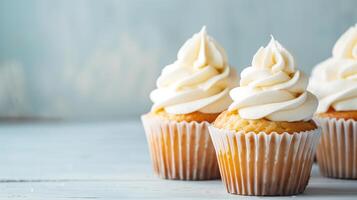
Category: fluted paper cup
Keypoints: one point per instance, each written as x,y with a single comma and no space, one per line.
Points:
264,164
180,150
337,151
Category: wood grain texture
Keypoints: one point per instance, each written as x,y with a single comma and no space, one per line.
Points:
107,160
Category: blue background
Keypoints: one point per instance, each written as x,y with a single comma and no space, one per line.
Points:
100,59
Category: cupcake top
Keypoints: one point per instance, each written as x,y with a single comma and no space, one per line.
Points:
334,81
272,88
198,81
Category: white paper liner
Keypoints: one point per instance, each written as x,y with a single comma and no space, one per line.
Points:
180,150
264,164
337,151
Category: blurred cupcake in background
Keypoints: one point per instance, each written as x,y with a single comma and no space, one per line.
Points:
190,94
265,142
334,82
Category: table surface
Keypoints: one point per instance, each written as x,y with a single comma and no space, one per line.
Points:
107,160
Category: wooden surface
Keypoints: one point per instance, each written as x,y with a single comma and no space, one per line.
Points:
107,160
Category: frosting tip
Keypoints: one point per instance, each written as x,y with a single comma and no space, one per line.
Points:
272,37
204,29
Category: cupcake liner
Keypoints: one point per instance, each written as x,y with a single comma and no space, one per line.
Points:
337,151
264,164
180,150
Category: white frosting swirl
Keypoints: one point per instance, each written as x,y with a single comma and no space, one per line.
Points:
272,88
199,80
334,81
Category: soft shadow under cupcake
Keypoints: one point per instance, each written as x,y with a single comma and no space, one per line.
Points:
346,189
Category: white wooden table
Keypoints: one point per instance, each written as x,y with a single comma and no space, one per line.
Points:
107,160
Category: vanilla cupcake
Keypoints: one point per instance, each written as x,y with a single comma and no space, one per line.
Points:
334,82
265,142
190,94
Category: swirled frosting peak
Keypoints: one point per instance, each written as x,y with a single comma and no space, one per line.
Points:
272,88
346,46
334,81
199,80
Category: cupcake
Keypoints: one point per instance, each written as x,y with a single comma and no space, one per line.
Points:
190,94
334,82
265,142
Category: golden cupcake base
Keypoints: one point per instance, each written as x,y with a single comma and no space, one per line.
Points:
263,164
231,120
337,151
180,150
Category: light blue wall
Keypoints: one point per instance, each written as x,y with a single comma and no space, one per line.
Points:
97,59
